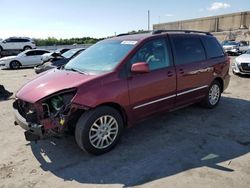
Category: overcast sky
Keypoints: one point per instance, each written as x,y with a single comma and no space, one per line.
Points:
100,18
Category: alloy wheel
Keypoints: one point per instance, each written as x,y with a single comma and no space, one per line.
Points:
103,132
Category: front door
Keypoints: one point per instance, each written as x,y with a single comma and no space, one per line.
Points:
154,91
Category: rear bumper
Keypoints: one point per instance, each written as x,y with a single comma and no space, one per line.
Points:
40,69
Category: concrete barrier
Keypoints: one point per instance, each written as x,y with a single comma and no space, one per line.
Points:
235,26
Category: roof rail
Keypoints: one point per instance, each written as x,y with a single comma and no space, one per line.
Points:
184,31
123,34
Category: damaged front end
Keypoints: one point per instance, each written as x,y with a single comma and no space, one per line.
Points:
47,117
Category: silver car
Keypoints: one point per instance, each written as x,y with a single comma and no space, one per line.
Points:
241,64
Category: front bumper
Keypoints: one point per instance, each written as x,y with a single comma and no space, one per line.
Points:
232,51
33,131
3,65
237,68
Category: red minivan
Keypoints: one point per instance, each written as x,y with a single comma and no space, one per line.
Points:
120,81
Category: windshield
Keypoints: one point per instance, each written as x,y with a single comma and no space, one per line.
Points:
21,54
101,57
229,43
70,53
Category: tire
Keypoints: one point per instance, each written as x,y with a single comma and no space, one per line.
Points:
90,125
15,65
213,96
26,48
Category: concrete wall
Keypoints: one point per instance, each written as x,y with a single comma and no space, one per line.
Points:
220,23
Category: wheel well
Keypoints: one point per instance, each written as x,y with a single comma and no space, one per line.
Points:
221,82
119,109
1,47
15,61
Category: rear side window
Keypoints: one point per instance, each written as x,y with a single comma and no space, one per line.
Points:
31,53
24,40
188,49
41,52
212,47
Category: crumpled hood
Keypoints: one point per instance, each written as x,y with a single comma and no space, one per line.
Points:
7,58
243,58
51,82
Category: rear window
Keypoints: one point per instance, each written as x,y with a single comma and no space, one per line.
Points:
213,48
188,49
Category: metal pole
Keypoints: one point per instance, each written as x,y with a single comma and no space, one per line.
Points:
148,20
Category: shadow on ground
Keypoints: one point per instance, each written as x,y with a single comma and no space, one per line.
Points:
157,148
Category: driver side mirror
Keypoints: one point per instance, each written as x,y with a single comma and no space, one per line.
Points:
4,41
140,67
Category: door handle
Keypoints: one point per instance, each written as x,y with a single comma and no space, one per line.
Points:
181,71
170,74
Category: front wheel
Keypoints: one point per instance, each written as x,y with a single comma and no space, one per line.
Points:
15,65
213,96
99,130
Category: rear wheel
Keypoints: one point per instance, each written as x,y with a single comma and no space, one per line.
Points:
213,96
99,130
15,65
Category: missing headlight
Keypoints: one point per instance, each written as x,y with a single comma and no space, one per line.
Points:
58,104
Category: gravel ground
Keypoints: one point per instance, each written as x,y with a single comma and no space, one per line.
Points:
191,147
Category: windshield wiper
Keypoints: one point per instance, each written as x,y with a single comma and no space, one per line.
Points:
76,70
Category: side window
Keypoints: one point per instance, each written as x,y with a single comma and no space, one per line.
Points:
9,40
212,47
31,53
19,40
155,53
15,40
188,50
41,52
24,40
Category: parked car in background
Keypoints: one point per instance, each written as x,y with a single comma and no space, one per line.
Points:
231,47
57,53
17,43
59,60
120,81
241,64
28,58
244,46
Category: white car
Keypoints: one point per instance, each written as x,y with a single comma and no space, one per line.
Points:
241,64
48,56
28,58
15,43
231,47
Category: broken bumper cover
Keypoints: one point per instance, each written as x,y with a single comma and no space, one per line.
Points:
33,132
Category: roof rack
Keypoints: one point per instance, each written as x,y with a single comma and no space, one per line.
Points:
123,34
184,31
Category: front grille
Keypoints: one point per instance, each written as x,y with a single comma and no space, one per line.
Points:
245,67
